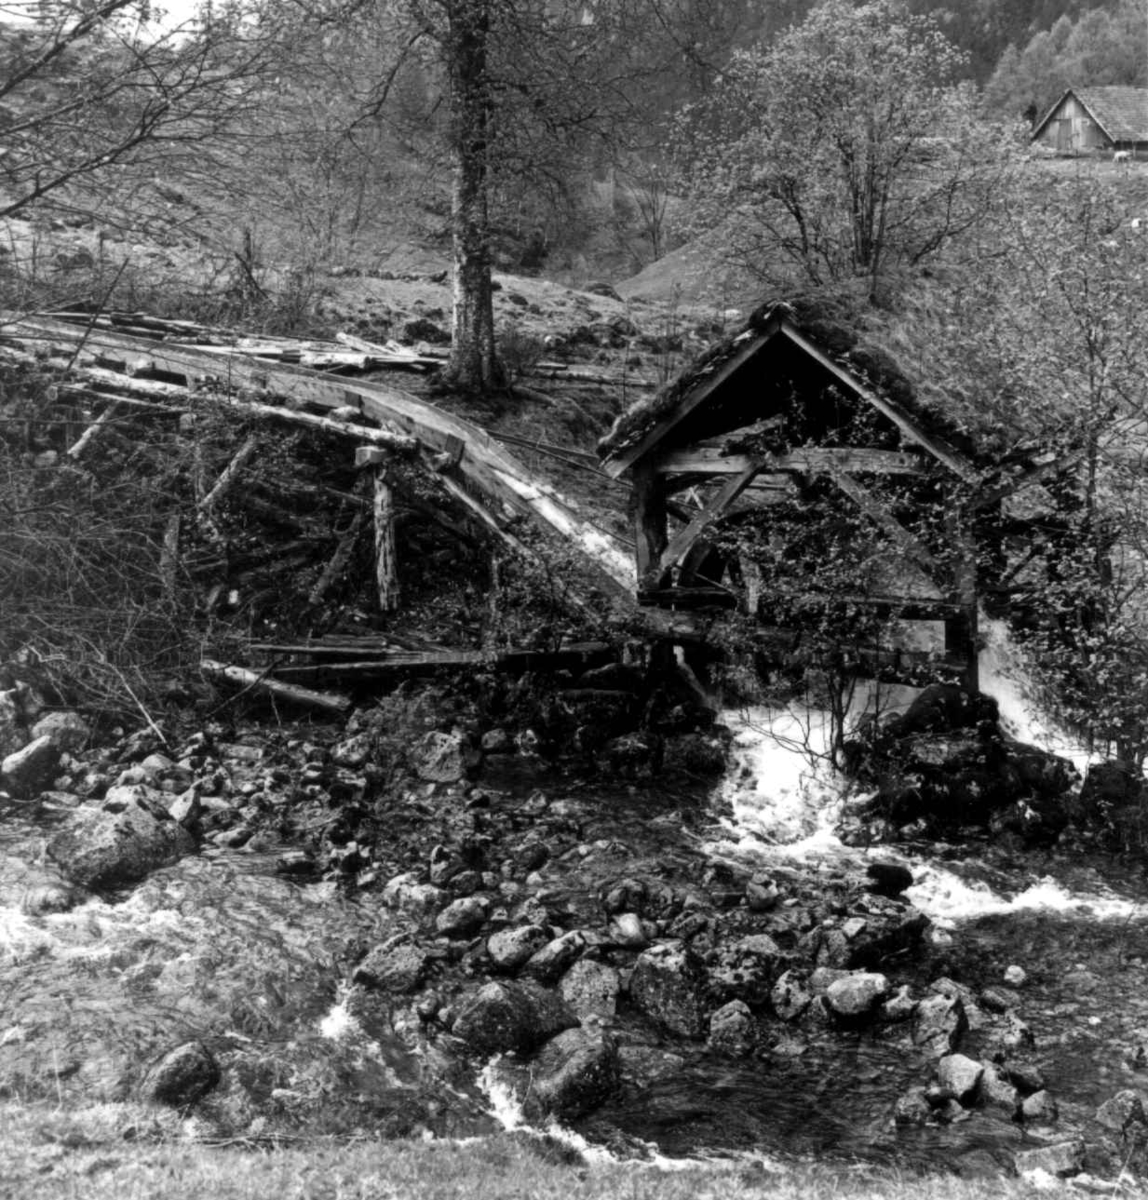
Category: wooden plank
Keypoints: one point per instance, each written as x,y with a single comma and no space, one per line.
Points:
955,461
485,464
685,538
880,515
701,391
713,461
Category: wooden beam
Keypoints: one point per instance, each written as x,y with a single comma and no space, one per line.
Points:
685,538
955,461
1050,464
712,461
338,561
751,342
880,515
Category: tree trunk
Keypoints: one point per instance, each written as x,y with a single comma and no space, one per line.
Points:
473,360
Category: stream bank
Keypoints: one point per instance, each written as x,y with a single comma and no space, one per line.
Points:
350,952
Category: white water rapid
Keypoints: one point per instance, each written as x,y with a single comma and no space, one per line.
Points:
783,798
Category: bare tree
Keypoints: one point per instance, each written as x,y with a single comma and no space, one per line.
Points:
94,98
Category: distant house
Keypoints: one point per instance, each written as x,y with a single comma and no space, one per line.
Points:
1096,120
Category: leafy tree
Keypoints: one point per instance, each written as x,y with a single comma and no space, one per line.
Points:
842,150
1103,46
1044,348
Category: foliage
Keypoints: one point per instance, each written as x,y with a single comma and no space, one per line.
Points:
804,564
90,614
1046,342
843,150
1104,45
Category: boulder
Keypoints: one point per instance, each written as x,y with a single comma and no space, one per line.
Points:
104,848
1123,1113
960,1076
591,989
574,1072
445,757
510,948
354,751
761,893
1039,1108
996,1091
913,1108
553,959
12,735
1112,783
695,754
407,894
31,768
940,1025
629,930
634,756
510,1016
68,730
900,1006
857,994
390,968
1060,1159
733,1030
790,996
464,917
184,1075
888,878
668,985
746,970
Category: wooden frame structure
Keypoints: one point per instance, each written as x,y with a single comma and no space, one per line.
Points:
774,414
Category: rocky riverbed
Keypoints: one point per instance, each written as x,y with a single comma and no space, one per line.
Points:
267,931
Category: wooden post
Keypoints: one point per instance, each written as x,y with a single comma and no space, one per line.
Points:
961,630
386,565
169,557
650,532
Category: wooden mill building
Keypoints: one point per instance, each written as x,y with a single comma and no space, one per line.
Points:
793,415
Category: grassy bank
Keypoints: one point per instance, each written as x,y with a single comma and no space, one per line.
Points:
105,1154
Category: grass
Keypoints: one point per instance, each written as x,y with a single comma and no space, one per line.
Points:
119,1153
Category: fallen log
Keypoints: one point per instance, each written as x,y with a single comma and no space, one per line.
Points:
228,476
92,432
400,660
263,684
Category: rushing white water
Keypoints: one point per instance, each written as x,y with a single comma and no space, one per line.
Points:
782,798
1003,676
506,1109
338,1022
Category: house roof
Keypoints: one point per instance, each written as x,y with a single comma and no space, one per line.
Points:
817,331
1121,112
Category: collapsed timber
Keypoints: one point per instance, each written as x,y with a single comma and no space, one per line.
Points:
279,489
